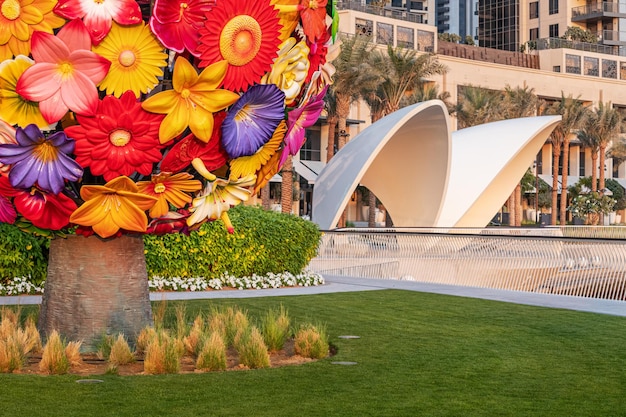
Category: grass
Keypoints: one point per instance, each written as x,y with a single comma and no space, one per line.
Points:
418,355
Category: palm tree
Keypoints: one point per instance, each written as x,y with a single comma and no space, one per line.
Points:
477,105
573,114
588,136
426,91
286,186
608,127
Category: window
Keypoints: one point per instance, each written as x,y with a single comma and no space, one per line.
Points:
384,33
310,151
609,68
554,31
534,10
572,64
364,27
591,66
533,34
581,162
425,41
553,6
556,68
622,70
405,37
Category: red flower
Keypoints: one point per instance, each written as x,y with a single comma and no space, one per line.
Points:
120,140
172,222
44,210
317,54
7,211
313,15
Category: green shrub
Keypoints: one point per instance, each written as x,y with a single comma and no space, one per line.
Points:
22,255
263,242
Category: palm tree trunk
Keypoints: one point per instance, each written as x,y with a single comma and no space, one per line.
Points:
594,172
343,110
511,206
565,173
265,197
518,205
556,150
286,188
371,217
332,133
602,181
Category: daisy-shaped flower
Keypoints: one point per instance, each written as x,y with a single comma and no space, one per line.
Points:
169,189
218,197
192,101
137,59
15,109
250,165
289,16
177,23
98,15
117,205
252,120
44,210
65,73
7,135
298,120
19,19
290,69
245,34
122,139
35,159
204,156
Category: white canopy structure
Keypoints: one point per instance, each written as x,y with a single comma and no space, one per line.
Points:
425,175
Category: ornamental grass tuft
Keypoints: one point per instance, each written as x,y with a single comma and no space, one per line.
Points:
16,342
252,350
121,353
311,342
193,341
54,360
163,354
212,356
275,326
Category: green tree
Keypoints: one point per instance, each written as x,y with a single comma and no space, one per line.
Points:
477,105
608,127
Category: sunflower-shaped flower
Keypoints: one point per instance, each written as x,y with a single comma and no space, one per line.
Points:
245,34
98,15
116,205
177,23
122,139
19,19
289,16
15,109
252,121
137,60
65,73
250,165
36,159
290,69
218,197
169,189
193,100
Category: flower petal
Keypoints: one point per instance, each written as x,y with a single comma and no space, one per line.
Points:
39,82
75,35
48,48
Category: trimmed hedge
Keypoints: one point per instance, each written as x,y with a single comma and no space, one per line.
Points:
264,242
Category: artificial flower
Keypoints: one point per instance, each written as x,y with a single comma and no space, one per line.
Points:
268,170
15,109
44,210
171,222
218,197
313,18
65,73
192,101
290,69
250,165
298,120
98,15
176,23
246,35
7,135
36,159
122,139
317,54
137,60
19,19
289,16
251,121
210,154
169,189
7,211
116,205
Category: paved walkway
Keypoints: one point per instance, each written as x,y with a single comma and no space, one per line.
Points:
336,283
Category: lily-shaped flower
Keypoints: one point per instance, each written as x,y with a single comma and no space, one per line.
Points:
298,120
312,15
250,165
172,222
217,198
176,23
268,170
99,14
253,119
192,102
65,73
36,159
15,109
169,189
114,206
290,69
7,136
44,210
19,19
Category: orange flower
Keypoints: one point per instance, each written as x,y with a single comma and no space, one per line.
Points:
169,189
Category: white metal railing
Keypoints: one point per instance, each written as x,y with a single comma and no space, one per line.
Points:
546,260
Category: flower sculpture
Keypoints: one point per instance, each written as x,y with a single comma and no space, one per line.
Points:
119,119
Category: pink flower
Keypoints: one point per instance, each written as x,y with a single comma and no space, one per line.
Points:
65,73
176,23
98,14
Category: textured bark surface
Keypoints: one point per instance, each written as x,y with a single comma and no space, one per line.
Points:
95,287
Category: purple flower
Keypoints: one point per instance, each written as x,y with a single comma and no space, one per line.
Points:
36,159
252,120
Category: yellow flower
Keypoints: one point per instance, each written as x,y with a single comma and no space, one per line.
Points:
15,109
288,16
137,59
169,189
290,68
19,19
192,102
113,206
249,165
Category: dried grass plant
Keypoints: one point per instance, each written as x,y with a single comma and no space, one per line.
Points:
16,342
194,340
121,354
163,354
146,336
275,325
54,360
212,356
252,350
72,352
311,342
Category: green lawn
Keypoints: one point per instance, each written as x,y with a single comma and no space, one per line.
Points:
418,355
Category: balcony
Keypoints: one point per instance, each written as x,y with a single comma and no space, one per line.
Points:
382,11
613,38
597,11
558,43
